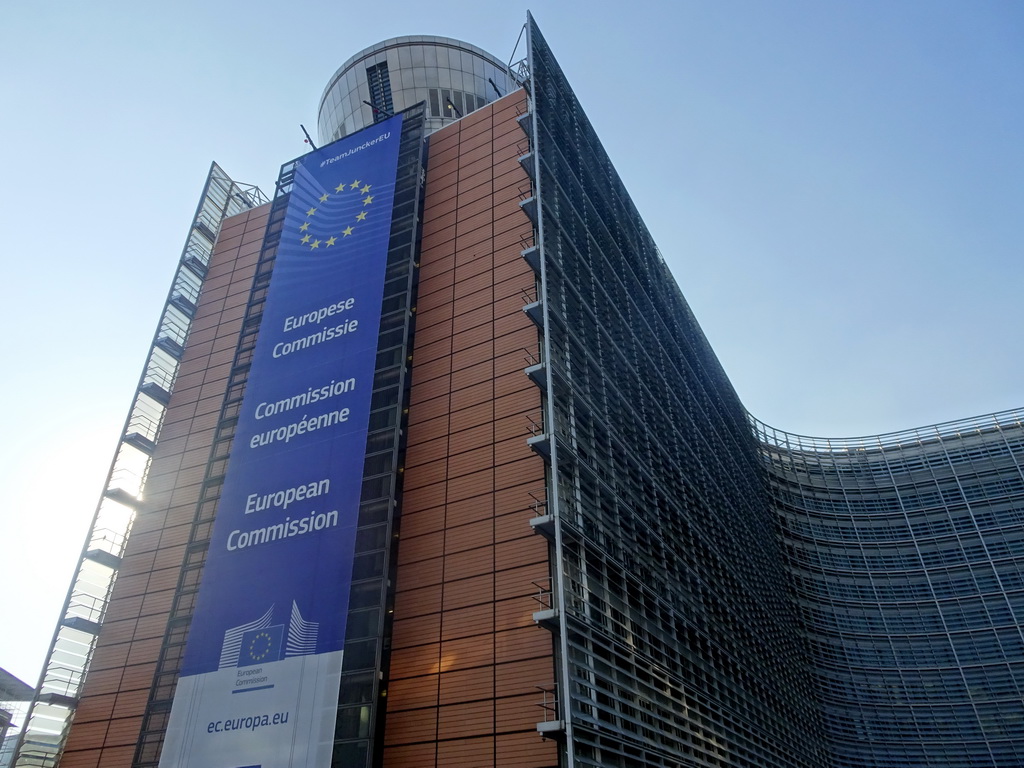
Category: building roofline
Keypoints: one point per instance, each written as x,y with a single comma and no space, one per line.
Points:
401,42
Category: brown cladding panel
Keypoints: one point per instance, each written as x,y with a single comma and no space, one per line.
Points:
417,630
459,721
468,622
425,521
89,737
413,692
114,757
467,685
515,613
412,756
123,731
478,561
80,758
464,753
95,709
468,658
524,750
416,661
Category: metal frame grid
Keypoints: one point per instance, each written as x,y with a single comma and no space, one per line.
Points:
678,641
907,554
74,640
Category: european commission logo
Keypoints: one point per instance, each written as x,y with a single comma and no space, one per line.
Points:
261,645
337,215
261,641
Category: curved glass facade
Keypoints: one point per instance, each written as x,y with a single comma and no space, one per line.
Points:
453,78
907,556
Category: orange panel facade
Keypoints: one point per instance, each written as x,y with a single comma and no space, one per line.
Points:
468,661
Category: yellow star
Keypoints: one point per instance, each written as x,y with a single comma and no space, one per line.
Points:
314,244
355,184
323,197
346,231
361,216
368,199
311,211
340,187
330,241
304,227
305,239
365,189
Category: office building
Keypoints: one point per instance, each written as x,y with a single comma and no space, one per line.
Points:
471,473
15,696
907,557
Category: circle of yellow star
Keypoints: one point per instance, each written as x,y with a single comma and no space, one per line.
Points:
368,199
268,644
361,216
330,241
365,189
305,239
340,187
346,231
311,211
314,244
323,197
304,227
355,184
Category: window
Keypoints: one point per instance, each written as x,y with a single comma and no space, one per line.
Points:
379,81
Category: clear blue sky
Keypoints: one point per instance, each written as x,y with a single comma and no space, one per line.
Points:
837,186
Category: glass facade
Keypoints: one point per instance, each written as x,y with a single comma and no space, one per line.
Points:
453,78
723,595
85,609
907,555
15,697
677,641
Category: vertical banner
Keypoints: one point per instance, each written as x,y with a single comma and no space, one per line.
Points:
262,668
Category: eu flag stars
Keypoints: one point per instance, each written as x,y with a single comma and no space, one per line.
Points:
325,236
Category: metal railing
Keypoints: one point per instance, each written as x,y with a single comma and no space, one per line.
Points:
53,707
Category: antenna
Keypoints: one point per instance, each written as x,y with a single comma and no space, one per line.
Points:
377,109
518,40
453,107
308,140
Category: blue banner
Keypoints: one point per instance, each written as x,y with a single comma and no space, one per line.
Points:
267,635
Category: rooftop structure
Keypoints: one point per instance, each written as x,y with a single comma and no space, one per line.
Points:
450,77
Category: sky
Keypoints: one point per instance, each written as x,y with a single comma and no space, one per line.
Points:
838,187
